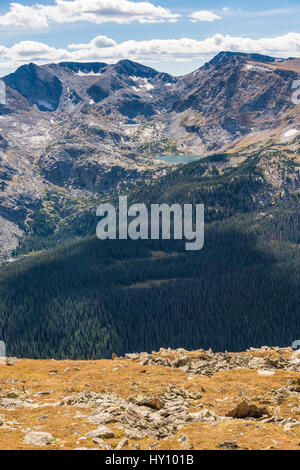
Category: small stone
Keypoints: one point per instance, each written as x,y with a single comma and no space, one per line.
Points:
230,445
152,402
183,361
39,439
257,363
135,446
204,415
133,435
101,432
43,418
289,426
11,395
101,443
123,442
182,438
245,410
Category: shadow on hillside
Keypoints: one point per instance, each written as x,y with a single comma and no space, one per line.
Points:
74,303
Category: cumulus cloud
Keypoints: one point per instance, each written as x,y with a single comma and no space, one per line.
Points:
106,49
187,48
96,43
204,15
93,11
33,50
20,15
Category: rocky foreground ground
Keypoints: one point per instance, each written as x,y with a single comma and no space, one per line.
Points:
171,399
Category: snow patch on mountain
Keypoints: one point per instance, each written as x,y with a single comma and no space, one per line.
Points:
291,133
256,67
88,74
142,83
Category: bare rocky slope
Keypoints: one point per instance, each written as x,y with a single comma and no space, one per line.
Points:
82,129
171,399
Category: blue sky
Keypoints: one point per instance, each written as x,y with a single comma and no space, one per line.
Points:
171,35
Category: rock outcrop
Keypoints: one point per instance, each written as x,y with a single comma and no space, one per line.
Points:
209,363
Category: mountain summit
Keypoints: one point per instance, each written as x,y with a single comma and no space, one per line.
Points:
87,127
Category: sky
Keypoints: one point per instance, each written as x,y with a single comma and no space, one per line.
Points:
174,36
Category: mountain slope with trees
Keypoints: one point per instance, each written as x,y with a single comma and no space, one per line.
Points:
91,298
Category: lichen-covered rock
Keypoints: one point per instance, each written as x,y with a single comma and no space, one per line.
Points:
39,439
101,432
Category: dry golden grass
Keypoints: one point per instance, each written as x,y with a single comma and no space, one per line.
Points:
221,392
292,65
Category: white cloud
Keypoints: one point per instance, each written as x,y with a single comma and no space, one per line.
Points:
240,13
186,48
20,15
204,15
33,50
103,48
93,11
98,43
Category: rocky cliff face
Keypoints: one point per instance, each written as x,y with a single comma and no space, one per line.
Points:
37,85
87,127
235,95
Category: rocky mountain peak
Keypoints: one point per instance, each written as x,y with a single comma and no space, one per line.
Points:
129,67
226,56
37,85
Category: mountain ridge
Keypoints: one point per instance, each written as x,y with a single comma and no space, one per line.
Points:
84,129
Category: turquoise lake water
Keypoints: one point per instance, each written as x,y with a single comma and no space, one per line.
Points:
179,158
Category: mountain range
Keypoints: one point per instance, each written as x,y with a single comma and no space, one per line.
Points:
73,135
86,128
